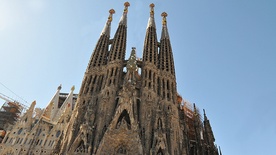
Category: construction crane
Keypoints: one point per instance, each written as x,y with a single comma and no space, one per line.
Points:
9,99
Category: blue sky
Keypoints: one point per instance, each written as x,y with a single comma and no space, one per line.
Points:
224,56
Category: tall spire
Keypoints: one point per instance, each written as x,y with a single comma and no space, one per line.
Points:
99,55
66,104
208,131
106,29
29,116
165,33
123,20
151,22
166,55
53,104
150,53
205,117
118,47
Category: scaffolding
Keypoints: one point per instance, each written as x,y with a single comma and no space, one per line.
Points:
193,119
10,112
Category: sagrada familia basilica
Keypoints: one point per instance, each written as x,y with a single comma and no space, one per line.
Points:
125,106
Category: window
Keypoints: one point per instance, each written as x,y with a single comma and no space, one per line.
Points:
58,133
20,130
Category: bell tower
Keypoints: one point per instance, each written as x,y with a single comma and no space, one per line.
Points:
120,111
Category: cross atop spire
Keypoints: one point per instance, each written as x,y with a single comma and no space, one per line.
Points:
106,29
123,20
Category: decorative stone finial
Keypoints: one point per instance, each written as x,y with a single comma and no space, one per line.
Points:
151,8
73,88
106,29
164,15
34,102
126,4
59,87
123,20
111,12
195,110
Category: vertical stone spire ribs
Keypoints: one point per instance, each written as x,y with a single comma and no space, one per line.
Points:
120,112
99,55
123,20
118,48
166,55
166,63
165,33
208,131
150,53
106,29
151,22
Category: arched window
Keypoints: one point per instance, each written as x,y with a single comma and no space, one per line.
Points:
159,123
39,132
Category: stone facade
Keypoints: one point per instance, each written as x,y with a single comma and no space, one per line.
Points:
125,106
132,106
39,131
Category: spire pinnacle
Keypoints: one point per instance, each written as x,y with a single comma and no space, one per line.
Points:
131,67
33,105
205,117
106,29
151,22
151,9
165,33
131,63
123,20
195,110
126,4
59,87
164,21
220,151
73,88
111,12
